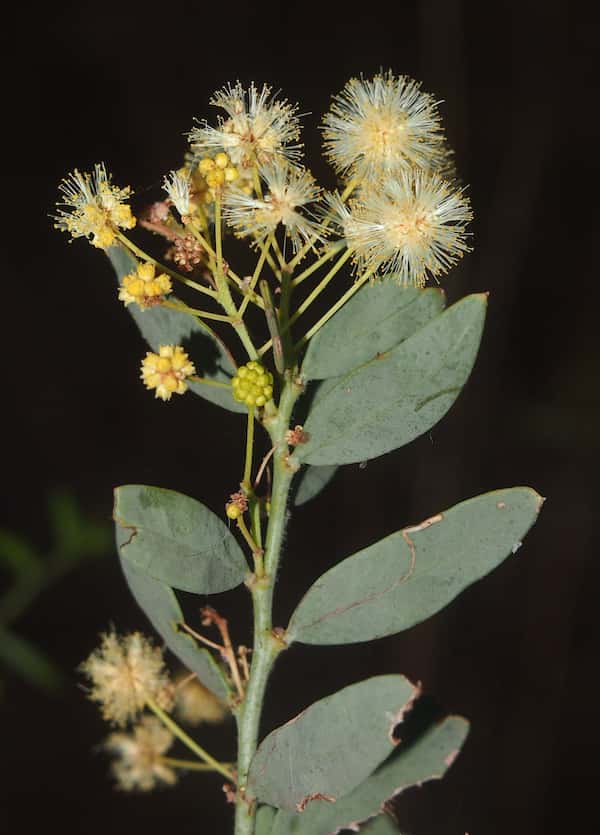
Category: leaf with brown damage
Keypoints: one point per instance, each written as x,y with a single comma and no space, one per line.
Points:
413,573
176,540
332,746
428,758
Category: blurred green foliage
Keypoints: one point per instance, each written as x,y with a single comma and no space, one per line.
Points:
75,539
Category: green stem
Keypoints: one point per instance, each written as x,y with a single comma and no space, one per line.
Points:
207,382
311,297
340,303
188,741
223,292
257,271
246,482
331,251
173,273
266,646
190,765
302,252
197,314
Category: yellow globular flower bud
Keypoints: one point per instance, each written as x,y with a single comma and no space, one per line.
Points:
231,174
233,511
144,287
215,178
205,165
167,371
252,385
222,160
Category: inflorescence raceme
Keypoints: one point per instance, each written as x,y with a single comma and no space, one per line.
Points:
398,215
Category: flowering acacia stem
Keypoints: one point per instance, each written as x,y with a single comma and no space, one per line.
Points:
188,741
266,646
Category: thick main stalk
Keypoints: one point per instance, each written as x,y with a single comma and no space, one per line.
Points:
266,645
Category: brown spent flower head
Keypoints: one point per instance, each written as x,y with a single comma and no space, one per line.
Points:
139,756
186,252
124,672
195,704
237,505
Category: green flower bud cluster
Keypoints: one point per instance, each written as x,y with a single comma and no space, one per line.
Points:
252,385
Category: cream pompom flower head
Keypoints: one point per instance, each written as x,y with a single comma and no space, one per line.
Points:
93,208
382,126
139,763
288,188
125,672
411,228
258,128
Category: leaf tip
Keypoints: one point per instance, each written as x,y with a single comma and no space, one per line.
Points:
398,717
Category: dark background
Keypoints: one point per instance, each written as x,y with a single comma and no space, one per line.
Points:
516,653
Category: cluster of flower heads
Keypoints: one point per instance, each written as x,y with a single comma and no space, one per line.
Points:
404,217
125,673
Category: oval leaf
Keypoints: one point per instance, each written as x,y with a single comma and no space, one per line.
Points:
392,399
428,758
176,540
162,326
376,319
413,573
315,754
311,481
162,610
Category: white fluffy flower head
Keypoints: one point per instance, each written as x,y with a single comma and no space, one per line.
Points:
139,754
258,129
379,127
177,186
124,672
412,228
288,188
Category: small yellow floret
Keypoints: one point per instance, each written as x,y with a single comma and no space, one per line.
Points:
233,511
252,385
167,371
144,287
221,160
205,165
215,178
